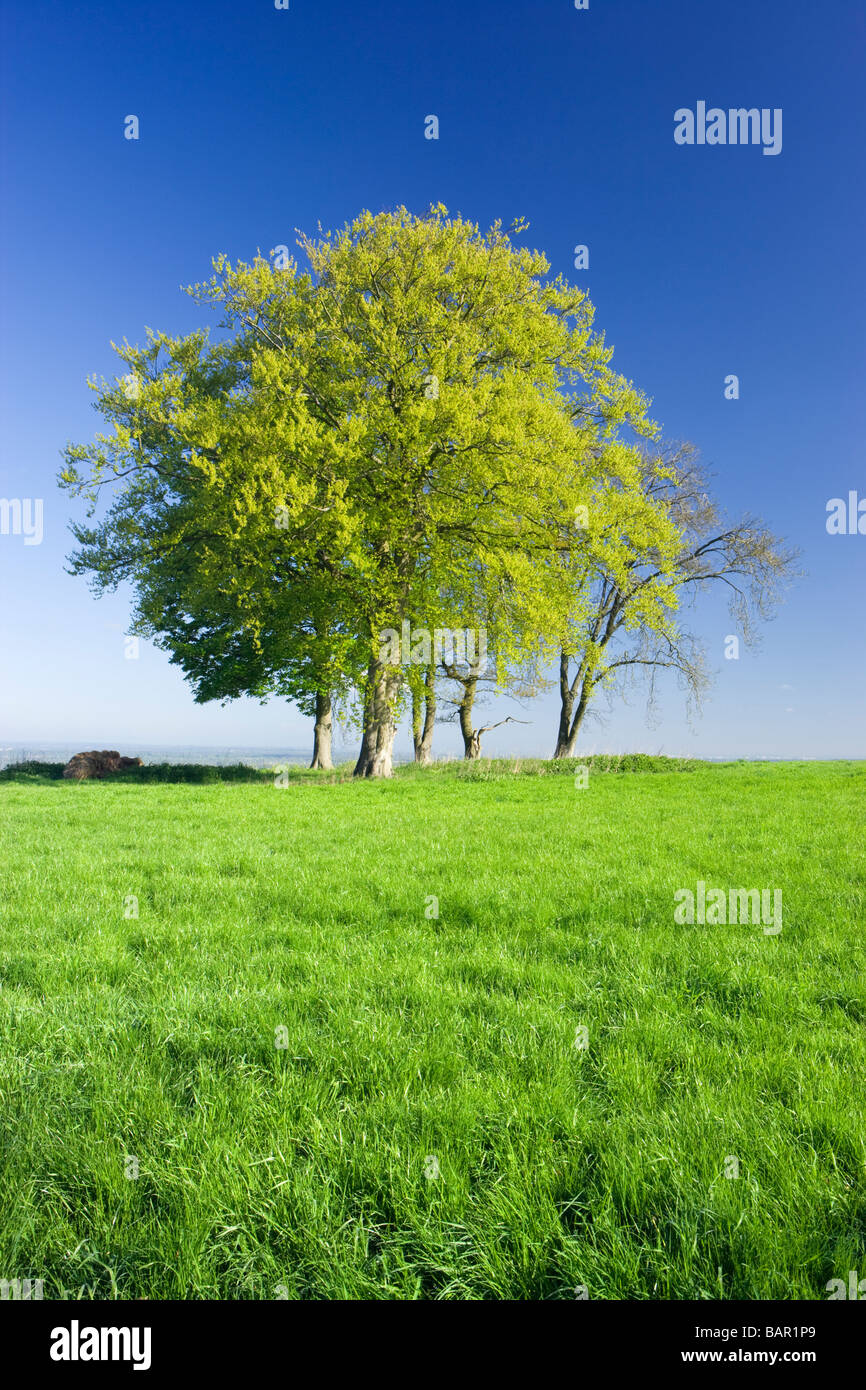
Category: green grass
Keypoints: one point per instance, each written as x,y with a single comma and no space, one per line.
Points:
301,1171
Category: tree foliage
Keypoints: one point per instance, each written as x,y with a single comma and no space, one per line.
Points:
419,425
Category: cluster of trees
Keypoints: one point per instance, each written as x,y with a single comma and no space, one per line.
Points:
420,427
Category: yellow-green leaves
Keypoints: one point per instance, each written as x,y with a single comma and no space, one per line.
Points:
421,426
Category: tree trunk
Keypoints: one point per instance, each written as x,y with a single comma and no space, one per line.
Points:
422,736
377,743
323,732
582,706
564,741
570,719
471,739
566,745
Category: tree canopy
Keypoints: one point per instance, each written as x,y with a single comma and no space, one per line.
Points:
417,426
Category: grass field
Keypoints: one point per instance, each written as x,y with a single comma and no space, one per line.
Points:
427,1124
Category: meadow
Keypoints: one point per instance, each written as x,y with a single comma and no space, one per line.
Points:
436,1038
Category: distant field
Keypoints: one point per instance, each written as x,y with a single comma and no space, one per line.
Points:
428,1124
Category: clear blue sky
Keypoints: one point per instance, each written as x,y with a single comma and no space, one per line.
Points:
704,261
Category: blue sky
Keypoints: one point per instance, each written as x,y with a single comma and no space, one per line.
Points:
703,261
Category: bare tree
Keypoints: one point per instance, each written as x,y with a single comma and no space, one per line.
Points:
617,638
466,679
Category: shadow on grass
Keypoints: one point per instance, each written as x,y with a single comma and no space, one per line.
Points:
36,772
480,770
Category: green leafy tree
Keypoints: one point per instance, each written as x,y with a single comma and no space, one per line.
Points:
220,575
422,409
